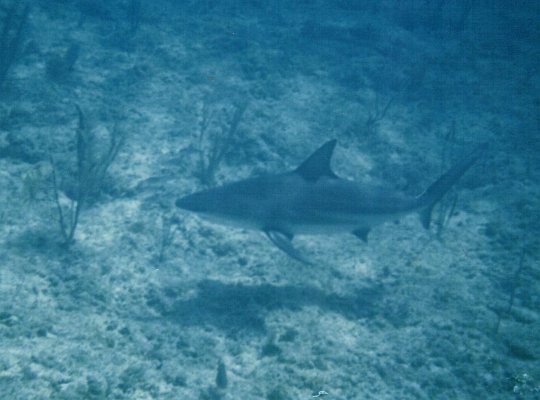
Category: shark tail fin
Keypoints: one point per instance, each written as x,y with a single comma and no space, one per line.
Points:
441,186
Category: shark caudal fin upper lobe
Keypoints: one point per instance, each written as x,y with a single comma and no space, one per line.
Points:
442,185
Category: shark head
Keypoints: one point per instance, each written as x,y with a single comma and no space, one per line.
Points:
233,204
199,202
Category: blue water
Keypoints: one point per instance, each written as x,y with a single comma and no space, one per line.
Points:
110,111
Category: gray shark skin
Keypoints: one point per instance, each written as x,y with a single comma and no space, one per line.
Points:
313,200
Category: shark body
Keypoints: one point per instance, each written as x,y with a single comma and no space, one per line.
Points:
312,199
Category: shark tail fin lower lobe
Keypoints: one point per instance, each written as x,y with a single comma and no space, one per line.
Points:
442,185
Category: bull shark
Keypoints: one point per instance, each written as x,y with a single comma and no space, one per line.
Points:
312,199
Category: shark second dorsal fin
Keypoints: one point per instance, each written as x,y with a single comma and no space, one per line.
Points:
318,164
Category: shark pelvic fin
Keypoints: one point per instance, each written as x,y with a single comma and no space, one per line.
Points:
318,163
283,242
361,233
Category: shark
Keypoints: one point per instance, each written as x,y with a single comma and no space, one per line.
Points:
312,199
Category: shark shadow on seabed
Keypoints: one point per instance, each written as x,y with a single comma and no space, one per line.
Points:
240,308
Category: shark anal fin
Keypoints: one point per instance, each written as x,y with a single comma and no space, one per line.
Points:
361,233
318,164
283,242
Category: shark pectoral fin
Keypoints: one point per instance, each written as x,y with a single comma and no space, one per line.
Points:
361,233
283,241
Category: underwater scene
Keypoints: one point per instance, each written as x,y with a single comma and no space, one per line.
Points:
274,200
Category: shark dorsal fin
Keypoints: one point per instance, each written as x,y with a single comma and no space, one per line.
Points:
318,164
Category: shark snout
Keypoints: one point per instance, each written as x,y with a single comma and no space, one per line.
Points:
200,202
190,203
